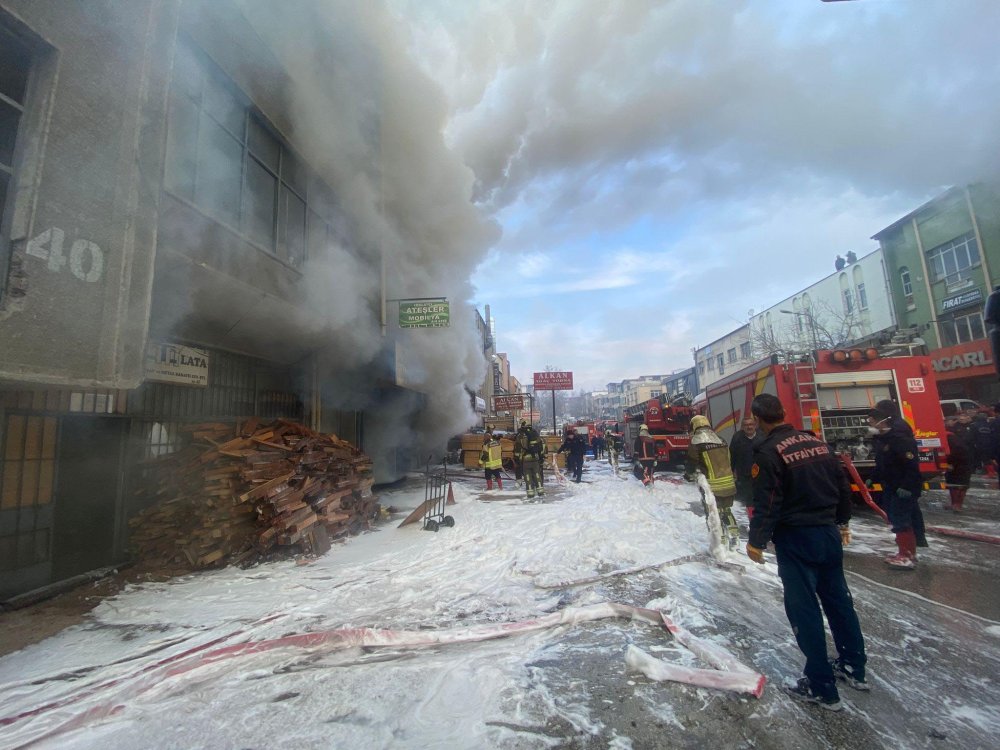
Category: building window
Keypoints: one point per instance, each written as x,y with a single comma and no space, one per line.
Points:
962,328
745,350
862,297
731,355
722,364
848,301
223,157
907,284
711,364
15,65
701,368
952,261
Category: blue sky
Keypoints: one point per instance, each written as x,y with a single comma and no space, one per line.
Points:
660,168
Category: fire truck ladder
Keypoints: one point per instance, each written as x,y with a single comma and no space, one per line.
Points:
804,382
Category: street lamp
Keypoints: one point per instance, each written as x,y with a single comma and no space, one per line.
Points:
812,324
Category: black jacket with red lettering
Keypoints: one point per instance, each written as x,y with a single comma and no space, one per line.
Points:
797,481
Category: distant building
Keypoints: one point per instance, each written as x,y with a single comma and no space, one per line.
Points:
681,383
725,355
847,306
943,260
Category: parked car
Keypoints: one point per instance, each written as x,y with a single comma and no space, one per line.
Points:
952,407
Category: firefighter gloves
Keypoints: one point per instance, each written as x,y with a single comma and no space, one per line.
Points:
755,554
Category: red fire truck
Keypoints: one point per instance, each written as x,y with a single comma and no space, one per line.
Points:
669,424
830,393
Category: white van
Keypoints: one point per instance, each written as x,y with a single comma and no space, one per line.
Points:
951,407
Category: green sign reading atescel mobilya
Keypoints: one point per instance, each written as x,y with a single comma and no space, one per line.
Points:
424,313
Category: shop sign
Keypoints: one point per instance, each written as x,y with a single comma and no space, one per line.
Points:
424,314
172,363
553,381
964,299
508,403
964,361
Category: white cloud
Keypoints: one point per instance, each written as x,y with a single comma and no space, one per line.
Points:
664,166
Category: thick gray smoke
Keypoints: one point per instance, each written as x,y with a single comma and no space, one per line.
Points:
376,123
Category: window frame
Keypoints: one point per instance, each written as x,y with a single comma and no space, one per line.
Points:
938,257
970,322
289,243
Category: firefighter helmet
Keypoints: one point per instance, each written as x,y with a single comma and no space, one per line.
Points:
698,421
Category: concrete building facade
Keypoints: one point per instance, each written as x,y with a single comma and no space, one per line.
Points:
726,354
849,305
172,247
943,260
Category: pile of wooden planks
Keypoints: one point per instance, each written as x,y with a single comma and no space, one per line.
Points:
237,492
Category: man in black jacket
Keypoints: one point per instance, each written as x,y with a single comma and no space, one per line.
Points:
575,446
897,469
801,496
741,459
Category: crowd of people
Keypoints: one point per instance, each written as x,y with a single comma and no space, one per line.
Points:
974,443
798,495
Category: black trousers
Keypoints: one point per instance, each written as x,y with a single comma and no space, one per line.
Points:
811,567
574,465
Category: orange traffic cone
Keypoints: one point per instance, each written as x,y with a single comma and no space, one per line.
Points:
451,496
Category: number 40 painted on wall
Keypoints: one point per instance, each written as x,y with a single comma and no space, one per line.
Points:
86,259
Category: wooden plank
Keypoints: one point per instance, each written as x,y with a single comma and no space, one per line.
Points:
263,489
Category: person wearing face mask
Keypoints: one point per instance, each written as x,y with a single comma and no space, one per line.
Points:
741,459
897,469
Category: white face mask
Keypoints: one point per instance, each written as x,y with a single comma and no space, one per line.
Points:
876,428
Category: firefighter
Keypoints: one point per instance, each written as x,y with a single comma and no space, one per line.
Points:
575,446
897,469
614,448
530,447
518,464
802,500
960,462
644,455
491,459
709,454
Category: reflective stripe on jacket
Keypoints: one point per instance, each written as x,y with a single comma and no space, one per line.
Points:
710,455
491,456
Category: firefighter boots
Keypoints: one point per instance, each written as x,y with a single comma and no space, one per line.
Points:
906,558
499,483
489,485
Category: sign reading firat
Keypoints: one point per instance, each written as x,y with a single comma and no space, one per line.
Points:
508,403
424,313
553,381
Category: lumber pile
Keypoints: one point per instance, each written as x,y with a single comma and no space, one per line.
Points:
237,493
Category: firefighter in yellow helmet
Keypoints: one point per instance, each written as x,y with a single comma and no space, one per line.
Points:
709,454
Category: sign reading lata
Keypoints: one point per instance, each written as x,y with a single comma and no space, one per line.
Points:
553,381
508,403
172,363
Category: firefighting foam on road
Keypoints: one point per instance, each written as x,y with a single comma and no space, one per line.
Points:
244,658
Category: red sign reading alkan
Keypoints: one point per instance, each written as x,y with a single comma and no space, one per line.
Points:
508,403
553,381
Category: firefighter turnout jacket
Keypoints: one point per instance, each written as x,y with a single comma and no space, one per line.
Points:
491,456
710,454
529,445
797,481
897,462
